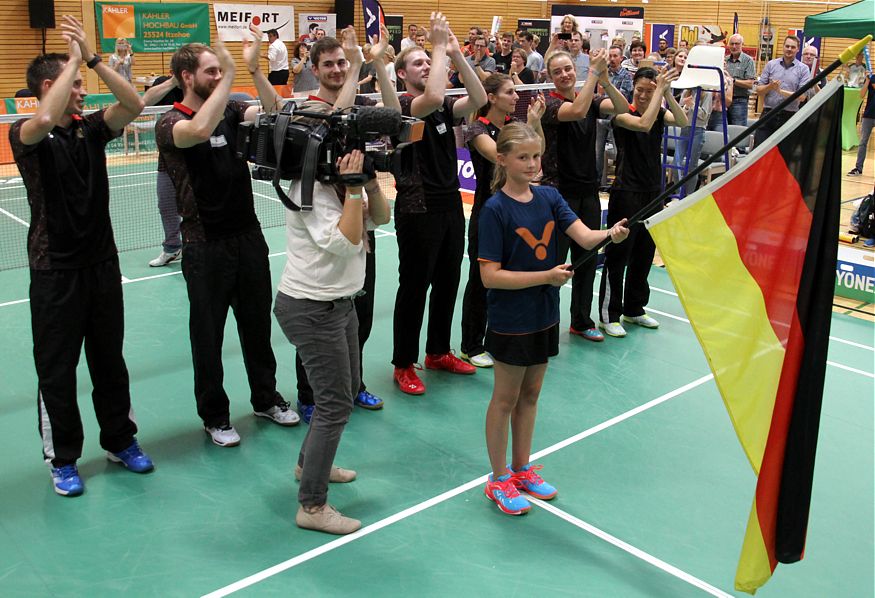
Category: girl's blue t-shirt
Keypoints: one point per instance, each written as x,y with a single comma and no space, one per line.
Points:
522,238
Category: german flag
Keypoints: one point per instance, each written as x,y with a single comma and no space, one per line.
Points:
752,256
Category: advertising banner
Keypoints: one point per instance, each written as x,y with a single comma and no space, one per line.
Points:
152,27
539,27
374,17
654,32
232,20
308,22
395,25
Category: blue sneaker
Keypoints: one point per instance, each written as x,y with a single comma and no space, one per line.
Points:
366,400
503,493
66,480
133,458
306,411
527,480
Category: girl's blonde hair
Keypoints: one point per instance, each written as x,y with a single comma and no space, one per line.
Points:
512,134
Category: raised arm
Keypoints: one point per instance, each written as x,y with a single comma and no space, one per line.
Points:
436,86
676,114
270,99
476,97
55,99
535,111
353,54
387,89
155,93
129,104
188,133
581,104
616,102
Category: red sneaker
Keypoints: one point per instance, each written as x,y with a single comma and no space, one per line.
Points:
450,363
408,381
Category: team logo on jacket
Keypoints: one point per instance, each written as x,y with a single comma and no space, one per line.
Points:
538,245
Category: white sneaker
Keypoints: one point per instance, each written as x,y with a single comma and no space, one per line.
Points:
224,435
165,258
613,329
282,414
481,360
645,321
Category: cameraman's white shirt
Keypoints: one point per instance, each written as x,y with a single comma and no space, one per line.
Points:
321,263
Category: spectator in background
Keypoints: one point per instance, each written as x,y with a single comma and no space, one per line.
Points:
568,25
620,42
504,53
164,92
683,45
302,68
857,74
481,62
410,40
123,59
320,33
868,123
622,80
780,79
741,68
420,39
669,57
277,58
662,48
579,50
637,52
519,72
534,60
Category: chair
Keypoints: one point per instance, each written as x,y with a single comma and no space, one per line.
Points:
712,143
706,78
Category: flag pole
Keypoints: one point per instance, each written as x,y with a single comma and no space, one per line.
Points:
651,208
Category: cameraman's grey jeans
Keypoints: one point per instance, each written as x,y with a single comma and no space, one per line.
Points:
325,334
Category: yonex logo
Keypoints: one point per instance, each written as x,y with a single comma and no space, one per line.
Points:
539,245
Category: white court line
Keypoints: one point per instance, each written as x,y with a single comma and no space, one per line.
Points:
14,217
851,343
850,369
112,176
636,552
369,529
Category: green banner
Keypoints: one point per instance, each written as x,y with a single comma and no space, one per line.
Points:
151,27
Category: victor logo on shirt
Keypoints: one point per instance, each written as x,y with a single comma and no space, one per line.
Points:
539,245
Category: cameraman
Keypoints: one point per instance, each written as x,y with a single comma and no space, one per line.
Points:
225,261
429,220
332,68
316,304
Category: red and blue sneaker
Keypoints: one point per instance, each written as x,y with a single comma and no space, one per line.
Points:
503,493
527,480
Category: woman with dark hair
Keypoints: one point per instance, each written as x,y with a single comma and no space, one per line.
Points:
480,138
302,69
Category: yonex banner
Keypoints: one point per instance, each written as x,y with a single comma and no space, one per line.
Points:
232,20
152,27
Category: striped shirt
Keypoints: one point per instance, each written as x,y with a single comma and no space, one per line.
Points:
792,77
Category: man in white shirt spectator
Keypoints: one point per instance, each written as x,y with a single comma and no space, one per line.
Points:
278,59
410,40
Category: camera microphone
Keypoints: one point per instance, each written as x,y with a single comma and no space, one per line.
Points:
384,121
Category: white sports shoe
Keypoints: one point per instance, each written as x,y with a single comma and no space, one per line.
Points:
645,321
282,414
481,360
165,258
613,329
224,435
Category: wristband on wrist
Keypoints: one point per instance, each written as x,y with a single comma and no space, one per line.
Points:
94,60
353,195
